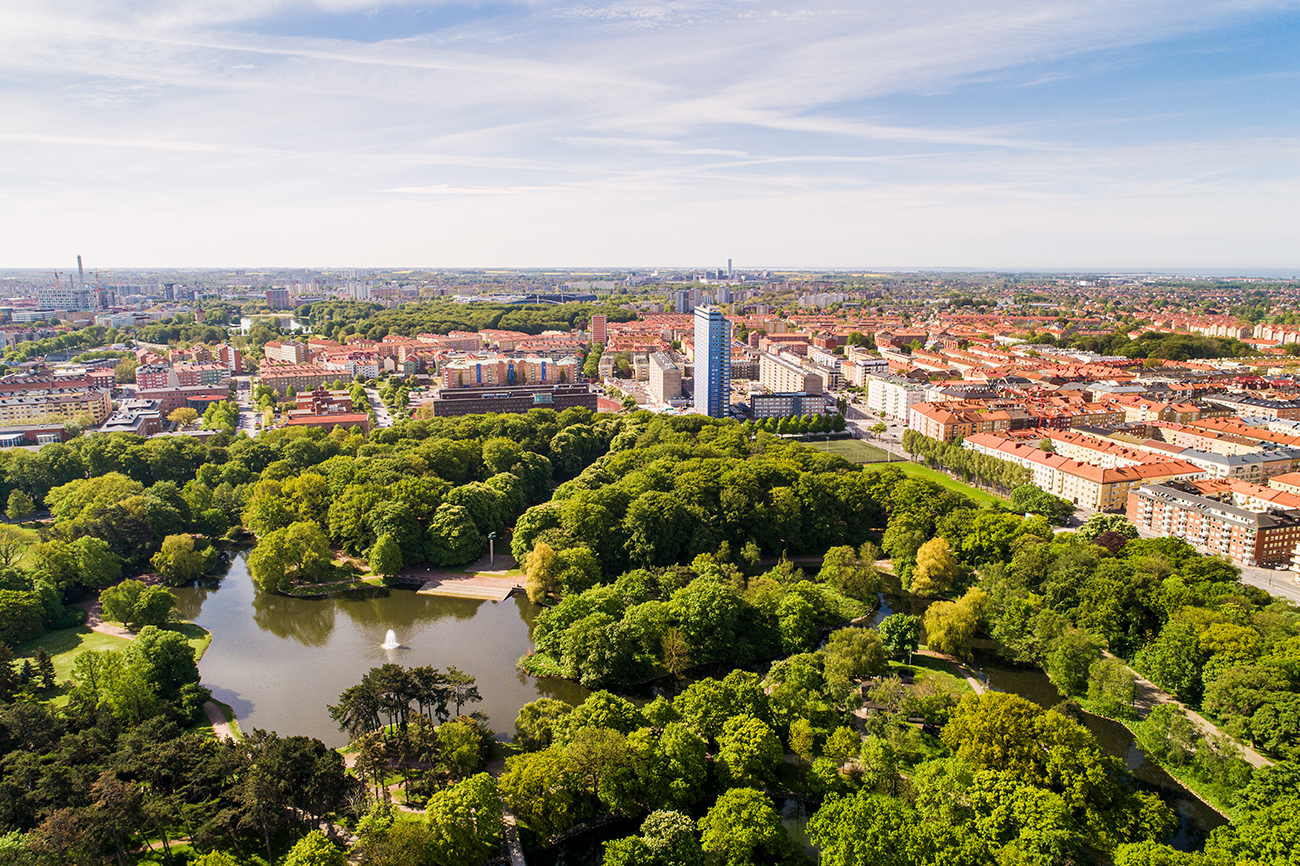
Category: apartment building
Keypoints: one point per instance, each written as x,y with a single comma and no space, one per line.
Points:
893,396
1259,407
1093,487
201,374
288,352
782,375
482,369
1288,482
300,377
1244,536
34,406
763,406
665,379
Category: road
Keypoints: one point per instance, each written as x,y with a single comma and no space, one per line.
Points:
247,413
381,412
1281,583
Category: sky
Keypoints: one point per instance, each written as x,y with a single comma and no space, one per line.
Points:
1005,134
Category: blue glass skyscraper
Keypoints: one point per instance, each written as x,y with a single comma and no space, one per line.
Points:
712,362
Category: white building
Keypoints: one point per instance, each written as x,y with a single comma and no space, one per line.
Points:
893,396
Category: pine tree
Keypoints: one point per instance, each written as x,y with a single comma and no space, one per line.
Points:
26,673
45,667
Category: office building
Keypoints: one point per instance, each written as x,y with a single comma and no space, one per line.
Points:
61,297
278,299
450,402
712,363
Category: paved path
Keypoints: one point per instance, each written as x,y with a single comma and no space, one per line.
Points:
220,726
95,622
512,838
95,619
1150,696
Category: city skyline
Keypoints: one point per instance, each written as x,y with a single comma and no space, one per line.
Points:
1106,137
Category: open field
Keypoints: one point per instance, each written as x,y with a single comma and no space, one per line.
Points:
983,497
853,450
65,644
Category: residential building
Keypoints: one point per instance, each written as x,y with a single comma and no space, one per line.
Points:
300,377
712,362
1093,487
783,374
785,405
41,406
1244,536
665,379
893,396
288,352
598,328
278,299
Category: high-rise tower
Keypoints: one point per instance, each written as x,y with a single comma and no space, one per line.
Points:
712,362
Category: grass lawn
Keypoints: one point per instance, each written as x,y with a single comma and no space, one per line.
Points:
983,497
852,450
28,536
64,645
943,674
314,589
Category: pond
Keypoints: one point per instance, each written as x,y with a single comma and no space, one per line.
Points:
280,661
1195,818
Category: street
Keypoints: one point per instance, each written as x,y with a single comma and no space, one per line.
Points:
1281,583
247,412
382,417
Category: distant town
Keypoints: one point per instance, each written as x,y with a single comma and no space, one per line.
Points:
1172,400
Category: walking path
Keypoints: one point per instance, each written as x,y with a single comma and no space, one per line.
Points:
1150,696
488,579
512,838
220,726
95,622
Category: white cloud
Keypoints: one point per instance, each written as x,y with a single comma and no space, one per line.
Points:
610,132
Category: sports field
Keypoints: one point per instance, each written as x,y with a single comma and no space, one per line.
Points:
852,450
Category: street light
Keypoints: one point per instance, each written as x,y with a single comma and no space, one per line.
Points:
492,548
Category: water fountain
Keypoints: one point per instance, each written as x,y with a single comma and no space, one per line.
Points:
390,641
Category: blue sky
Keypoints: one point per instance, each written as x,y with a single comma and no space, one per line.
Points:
1009,135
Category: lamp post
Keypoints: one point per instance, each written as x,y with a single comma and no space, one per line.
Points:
492,548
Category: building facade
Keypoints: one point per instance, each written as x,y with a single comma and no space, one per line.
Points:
893,396
1217,528
665,378
712,363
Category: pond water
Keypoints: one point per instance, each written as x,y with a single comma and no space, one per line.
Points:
280,661
1195,818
